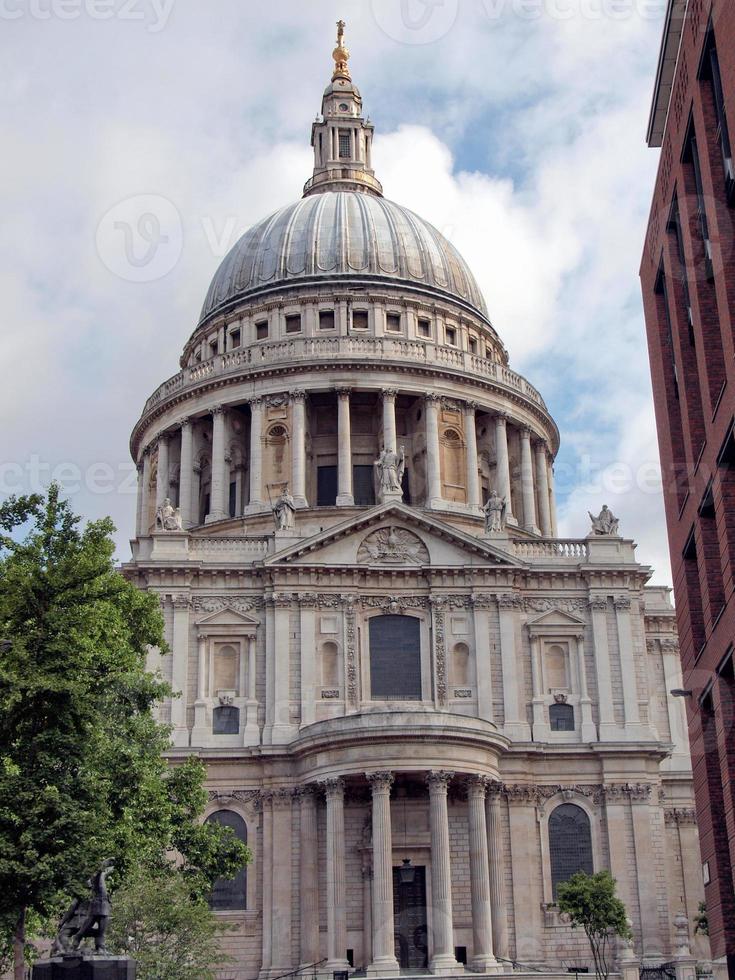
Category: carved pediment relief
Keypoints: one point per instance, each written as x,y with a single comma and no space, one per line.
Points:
227,616
556,622
393,546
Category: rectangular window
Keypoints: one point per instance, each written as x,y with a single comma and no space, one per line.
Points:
713,588
293,323
261,330
326,486
326,319
233,500
359,319
393,322
692,157
451,336
711,72
234,340
424,328
693,594
212,347
345,148
473,345
363,485
395,658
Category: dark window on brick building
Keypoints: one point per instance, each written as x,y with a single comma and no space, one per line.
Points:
726,473
570,843
691,156
710,71
712,589
694,593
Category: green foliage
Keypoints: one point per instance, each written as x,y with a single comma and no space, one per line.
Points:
589,901
701,922
82,772
171,934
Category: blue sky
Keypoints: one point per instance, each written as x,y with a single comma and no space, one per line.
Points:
516,126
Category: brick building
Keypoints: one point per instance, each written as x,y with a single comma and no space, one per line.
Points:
688,279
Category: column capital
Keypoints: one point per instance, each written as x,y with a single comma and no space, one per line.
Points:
501,418
217,410
432,397
255,402
334,788
597,602
525,432
343,391
621,602
477,786
438,780
380,782
305,794
184,422
298,396
470,408
389,392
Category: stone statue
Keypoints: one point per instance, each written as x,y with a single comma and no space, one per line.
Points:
86,918
284,510
390,467
168,517
605,522
495,510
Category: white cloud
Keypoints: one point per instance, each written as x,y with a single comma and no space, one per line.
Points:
213,114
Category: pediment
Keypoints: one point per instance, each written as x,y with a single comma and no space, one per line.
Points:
556,620
227,617
393,536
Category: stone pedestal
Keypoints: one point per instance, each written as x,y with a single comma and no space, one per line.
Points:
77,966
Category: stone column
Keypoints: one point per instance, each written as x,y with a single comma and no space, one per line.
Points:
608,728
180,670
186,474
483,959
433,462
529,498
345,496
281,957
389,419
442,924
256,453
267,858
220,468
515,725
309,874
497,871
633,724
336,911
200,730
538,706
139,531
162,473
146,502
298,448
542,482
384,962
473,477
588,730
502,465
552,497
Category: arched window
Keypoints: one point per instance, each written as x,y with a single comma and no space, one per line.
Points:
330,664
395,658
228,895
557,675
570,843
226,661
561,717
226,720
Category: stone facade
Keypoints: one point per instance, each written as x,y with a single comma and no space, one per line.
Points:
393,690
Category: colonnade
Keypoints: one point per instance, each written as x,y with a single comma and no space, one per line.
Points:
489,925
534,501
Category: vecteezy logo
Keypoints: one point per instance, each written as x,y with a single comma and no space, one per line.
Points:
140,239
415,21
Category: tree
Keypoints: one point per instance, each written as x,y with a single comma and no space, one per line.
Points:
171,934
589,901
82,771
701,922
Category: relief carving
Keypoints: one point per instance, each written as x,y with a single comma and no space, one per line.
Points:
393,546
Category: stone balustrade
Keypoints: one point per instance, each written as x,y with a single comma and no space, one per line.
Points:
554,548
313,349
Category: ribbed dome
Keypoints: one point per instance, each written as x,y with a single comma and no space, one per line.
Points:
344,234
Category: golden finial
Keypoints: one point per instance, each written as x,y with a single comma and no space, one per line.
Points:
341,54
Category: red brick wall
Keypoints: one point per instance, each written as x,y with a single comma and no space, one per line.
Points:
693,374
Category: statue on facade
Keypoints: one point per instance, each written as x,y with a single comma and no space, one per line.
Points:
86,918
284,510
605,522
390,467
168,517
495,510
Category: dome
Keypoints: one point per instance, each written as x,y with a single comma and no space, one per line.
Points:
347,234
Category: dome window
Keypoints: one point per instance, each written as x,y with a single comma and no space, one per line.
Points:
293,323
359,319
450,335
424,328
393,322
261,330
326,319
234,339
473,345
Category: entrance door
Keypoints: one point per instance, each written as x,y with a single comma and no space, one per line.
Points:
409,920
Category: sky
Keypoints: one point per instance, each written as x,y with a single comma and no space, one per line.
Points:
140,138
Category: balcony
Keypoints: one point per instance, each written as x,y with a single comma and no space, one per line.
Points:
305,350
